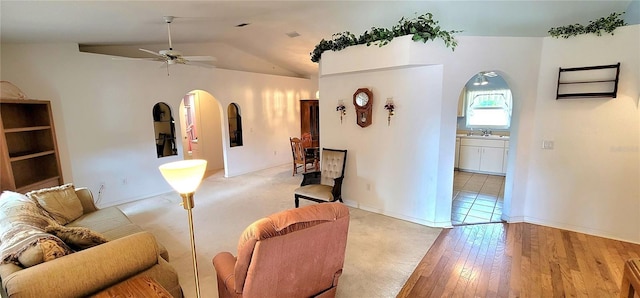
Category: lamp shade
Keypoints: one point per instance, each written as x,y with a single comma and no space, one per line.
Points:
185,175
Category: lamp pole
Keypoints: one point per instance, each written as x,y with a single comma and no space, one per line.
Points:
185,176
187,203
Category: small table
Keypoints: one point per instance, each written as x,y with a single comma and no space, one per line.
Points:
141,286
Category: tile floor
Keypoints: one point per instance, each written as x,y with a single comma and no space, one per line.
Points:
477,198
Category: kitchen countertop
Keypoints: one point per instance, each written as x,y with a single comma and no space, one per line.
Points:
496,137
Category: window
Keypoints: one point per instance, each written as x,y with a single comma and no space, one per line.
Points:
235,125
489,108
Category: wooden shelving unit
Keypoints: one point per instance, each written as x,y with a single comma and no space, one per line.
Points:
588,82
28,147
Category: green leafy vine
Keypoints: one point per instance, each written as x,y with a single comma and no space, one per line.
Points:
608,24
422,27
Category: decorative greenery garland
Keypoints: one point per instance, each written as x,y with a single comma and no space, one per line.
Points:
422,27
607,24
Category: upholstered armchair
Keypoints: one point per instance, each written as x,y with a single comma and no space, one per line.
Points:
325,185
293,253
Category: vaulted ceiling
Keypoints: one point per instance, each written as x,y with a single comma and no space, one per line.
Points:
137,23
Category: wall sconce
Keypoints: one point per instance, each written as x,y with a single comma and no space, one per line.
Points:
390,107
342,109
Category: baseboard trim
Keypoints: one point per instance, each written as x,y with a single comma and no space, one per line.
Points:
570,227
133,199
433,224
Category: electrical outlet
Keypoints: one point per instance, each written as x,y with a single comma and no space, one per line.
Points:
547,145
125,181
368,186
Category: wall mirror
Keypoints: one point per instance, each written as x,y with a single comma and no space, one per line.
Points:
165,130
487,102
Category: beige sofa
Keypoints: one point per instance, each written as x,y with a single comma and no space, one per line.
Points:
129,252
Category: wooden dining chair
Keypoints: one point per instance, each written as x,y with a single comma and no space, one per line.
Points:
299,156
310,152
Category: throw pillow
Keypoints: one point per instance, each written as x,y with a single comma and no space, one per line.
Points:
43,251
31,256
61,202
77,237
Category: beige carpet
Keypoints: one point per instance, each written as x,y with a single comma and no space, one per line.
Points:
381,251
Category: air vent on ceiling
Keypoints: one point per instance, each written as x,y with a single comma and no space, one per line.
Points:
293,34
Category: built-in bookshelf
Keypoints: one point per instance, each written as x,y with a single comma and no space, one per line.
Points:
30,158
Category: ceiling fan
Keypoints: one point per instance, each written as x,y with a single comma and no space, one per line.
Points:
171,56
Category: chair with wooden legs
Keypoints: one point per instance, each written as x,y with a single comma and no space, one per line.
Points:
299,156
630,279
324,185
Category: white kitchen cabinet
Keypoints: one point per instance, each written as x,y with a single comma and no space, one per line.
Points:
481,155
491,159
457,154
469,158
504,160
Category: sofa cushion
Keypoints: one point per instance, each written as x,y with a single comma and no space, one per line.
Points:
22,225
112,224
61,202
76,237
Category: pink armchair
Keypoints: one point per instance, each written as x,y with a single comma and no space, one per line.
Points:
293,253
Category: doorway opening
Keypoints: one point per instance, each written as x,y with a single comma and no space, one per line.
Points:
202,131
482,146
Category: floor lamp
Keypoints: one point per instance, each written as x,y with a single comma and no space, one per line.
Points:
185,176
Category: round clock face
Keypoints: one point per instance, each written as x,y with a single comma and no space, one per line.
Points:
362,99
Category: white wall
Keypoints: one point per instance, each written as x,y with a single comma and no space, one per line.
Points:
590,181
212,119
102,110
387,164
428,168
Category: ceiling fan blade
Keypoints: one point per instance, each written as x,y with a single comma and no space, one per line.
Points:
200,58
203,64
151,52
127,58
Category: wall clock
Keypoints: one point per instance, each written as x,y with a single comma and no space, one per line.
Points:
363,101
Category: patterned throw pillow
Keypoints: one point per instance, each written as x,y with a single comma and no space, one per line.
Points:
43,251
61,202
77,238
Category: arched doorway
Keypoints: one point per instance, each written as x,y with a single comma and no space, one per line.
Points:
482,148
201,129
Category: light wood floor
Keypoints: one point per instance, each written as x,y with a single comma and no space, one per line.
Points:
519,260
